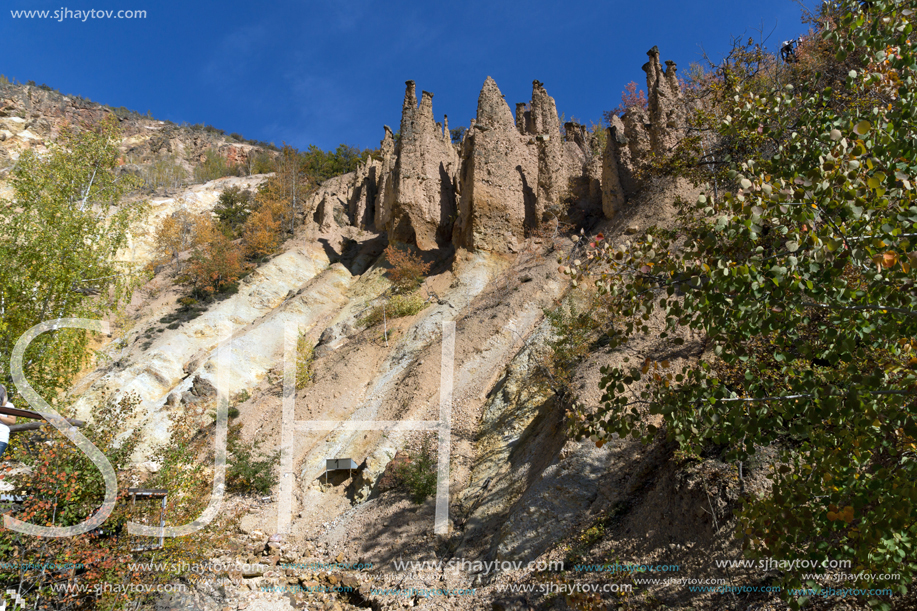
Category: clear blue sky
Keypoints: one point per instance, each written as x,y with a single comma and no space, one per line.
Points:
330,71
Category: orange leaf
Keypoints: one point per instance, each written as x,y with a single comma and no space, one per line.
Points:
886,260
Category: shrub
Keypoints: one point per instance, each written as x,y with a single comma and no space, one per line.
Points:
456,134
262,162
398,306
62,488
418,475
305,357
250,470
176,234
408,269
214,166
577,326
215,264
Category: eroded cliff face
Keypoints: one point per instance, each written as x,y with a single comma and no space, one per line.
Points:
507,177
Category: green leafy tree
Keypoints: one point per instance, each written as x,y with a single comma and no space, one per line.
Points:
59,238
233,208
456,134
801,277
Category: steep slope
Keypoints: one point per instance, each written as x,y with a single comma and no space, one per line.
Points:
521,492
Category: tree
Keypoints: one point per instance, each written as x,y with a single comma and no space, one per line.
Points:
177,233
282,194
630,97
261,233
216,262
233,209
801,276
59,238
457,134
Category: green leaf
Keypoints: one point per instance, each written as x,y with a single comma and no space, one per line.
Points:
862,128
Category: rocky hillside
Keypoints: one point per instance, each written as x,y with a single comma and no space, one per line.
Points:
32,116
484,214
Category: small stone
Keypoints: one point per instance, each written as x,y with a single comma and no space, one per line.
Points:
253,570
632,229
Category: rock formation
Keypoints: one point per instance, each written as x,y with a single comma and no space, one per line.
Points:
514,171
31,117
424,177
584,165
553,170
361,207
385,189
642,134
666,107
616,162
499,179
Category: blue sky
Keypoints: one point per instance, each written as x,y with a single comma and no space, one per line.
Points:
330,71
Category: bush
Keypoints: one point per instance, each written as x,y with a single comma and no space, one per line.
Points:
418,475
176,234
214,166
631,97
398,306
250,470
408,269
305,357
263,162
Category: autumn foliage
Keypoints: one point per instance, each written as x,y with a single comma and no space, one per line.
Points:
631,97
213,263
407,270
261,232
